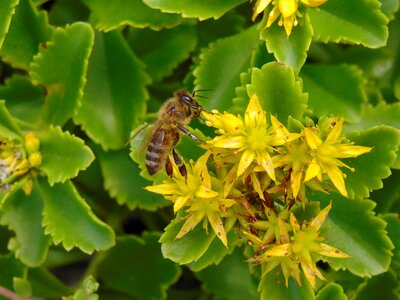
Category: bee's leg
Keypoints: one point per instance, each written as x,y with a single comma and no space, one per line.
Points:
168,167
179,163
191,135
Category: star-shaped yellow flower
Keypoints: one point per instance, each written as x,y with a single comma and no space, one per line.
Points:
325,154
287,10
250,138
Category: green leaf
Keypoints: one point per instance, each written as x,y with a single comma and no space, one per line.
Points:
220,67
164,49
135,266
64,12
393,229
291,51
388,198
372,167
331,291
390,7
114,101
358,22
10,267
384,286
24,100
108,15
70,220
278,90
64,155
202,10
272,287
182,250
27,31
23,214
60,67
46,285
7,9
123,181
231,279
8,127
335,89
353,228
215,252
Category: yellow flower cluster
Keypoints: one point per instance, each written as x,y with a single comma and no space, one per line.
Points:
17,159
251,174
286,10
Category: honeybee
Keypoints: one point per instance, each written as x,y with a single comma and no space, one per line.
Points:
173,116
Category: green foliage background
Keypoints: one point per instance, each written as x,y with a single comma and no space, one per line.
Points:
83,74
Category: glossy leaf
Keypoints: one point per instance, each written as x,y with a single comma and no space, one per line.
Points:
8,126
23,215
46,285
64,12
69,220
231,279
215,253
358,22
331,291
388,197
114,102
109,16
7,9
123,181
64,155
135,266
28,30
393,229
24,100
279,92
272,287
163,50
195,9
291,51
372,167
220,69
60,67
334,89
384,286
353,228
10,267
181,250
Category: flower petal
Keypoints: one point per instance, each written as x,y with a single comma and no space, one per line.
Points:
295,182
206,192
332,251
287,7
312,139
228,141
313,3
259,7
265,160
217,226
190,223
336,176
180,202
254,116
164,189
313,170
346,150
321,217
245,161
334,135
227,122
278,250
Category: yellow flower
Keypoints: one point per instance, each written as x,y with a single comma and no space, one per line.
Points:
287,10
325,155
305,248
249,137
196,193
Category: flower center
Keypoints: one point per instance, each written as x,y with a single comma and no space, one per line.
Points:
257,139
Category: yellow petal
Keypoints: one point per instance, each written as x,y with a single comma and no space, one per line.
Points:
278,250
265,160
206,192
313,170
256,185
346,150
313,140
308,271
227,122
332,251
164,189
180,202
294,223
295,182
190,223
230,179
218,226
245,161
282,135
321,217
335,132
336,176
287,7
273,15
254,116
231,142
259,7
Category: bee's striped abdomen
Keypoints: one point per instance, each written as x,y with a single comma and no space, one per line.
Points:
158,149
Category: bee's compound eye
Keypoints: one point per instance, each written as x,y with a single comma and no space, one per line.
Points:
186,99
